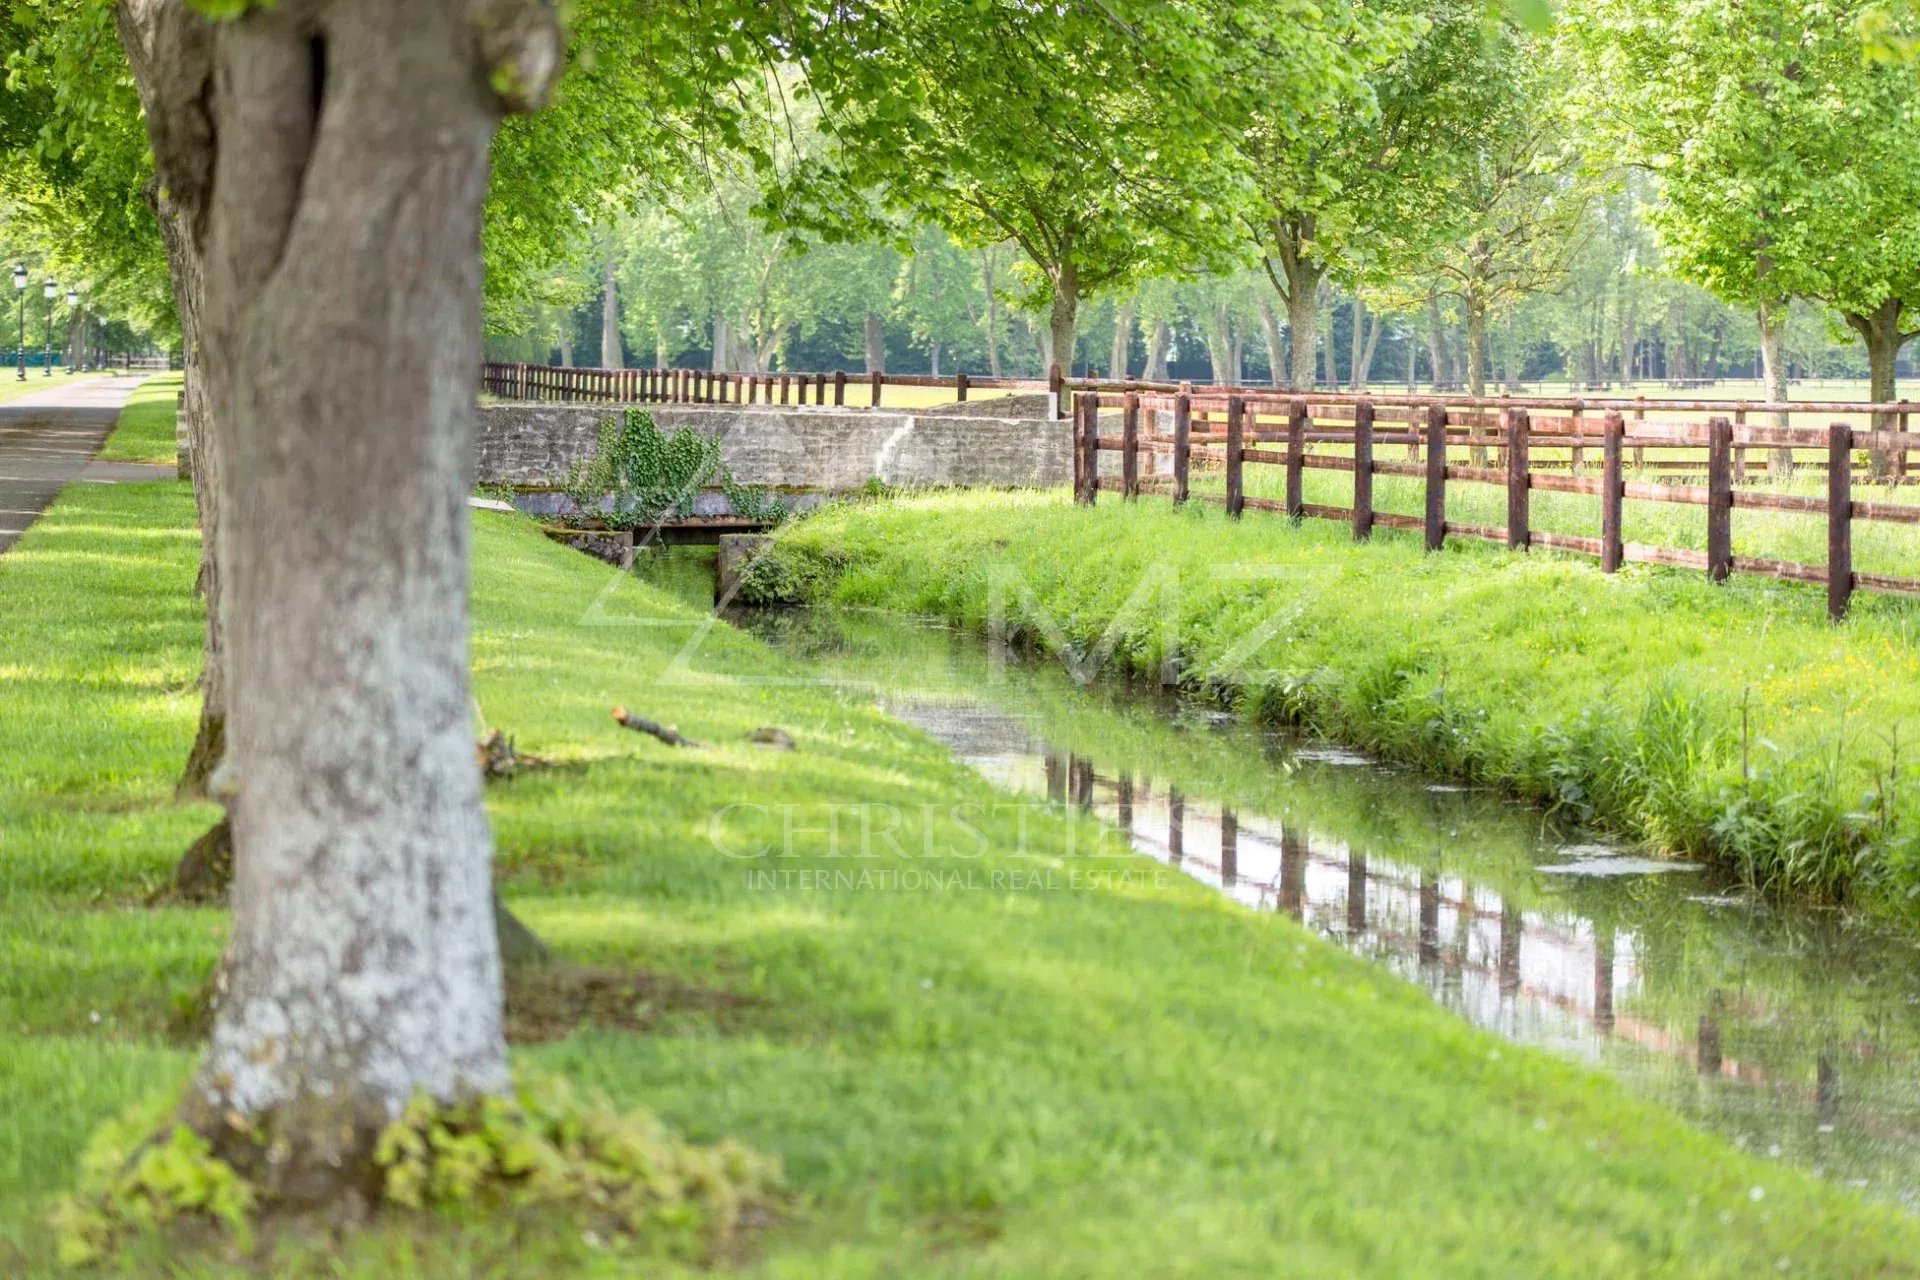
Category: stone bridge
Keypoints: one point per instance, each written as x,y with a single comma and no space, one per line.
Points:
809,454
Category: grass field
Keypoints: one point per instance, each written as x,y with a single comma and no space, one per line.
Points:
12,388
146,426
1108,1076
1726,721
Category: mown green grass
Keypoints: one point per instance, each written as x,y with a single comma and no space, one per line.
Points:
1114,1079
1635,700
12,388
146,430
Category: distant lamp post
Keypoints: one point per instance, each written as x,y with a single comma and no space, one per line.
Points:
52,292
20,287
73,331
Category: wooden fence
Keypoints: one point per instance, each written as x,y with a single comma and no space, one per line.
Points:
1508,449
701,386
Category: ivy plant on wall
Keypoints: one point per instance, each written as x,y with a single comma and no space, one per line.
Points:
641,475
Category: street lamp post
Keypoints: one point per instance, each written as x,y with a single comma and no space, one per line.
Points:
73,330
20,287
52,292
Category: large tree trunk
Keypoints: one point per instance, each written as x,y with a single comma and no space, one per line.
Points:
610,357
161,41
1773,373
1159,341
1879,329
1122,340
1062,317
334,184
876,345
722,344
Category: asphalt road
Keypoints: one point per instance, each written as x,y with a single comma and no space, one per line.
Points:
47,441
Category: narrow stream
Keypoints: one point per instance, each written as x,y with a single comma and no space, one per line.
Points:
1793,1031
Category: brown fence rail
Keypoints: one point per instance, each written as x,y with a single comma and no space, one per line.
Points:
701,386
1524,445
1230,432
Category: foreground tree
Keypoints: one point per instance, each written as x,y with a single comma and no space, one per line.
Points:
329,159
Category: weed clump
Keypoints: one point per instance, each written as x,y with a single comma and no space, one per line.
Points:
621,1175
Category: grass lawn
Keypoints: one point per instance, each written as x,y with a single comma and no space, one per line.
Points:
1111,1076
146,426
1634,700
11,388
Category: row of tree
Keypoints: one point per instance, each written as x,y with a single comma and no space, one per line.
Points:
1687,191
709,285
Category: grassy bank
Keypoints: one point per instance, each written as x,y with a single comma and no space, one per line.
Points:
145,433
1725,721
1104,1076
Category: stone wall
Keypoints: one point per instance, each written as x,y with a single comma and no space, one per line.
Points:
821,450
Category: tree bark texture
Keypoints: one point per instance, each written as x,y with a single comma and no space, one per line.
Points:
1159,341
876,340
164,43
1063,317
331,158
1879,329
1773,373
610,355
1122,340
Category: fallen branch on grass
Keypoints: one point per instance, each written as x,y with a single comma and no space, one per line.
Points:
640,724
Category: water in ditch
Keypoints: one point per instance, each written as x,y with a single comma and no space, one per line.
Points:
1793,1031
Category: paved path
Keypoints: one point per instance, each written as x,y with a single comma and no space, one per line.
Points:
48,439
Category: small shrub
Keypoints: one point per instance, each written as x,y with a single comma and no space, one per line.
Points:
621,1172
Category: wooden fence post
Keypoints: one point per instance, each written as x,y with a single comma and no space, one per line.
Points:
1089,411
819,388
1130,447
1639,419
960,386
1576,456
877,379
1719,499
839,388
1077,446
1236,432
1436,476
1182,445
1613,492
1517,477
1296,456
786,387
1839,520
1057,384
1363,471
